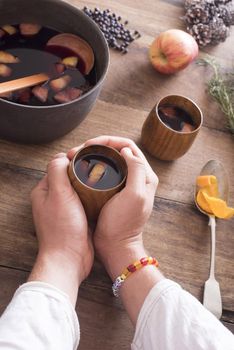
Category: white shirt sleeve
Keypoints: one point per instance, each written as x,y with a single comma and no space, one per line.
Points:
172,319
39,317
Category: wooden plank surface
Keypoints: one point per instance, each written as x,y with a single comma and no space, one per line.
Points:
135,83
176,233
176,178
172,224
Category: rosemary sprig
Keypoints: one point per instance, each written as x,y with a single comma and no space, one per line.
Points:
221,88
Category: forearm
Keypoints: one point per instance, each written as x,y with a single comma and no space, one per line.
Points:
39,316
135,288
44,306
58,270
171,318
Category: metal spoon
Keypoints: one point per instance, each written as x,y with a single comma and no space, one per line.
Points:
212,296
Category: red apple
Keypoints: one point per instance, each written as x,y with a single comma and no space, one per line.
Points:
172,51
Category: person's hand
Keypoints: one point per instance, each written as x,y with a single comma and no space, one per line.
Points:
61,224
123,217
118,234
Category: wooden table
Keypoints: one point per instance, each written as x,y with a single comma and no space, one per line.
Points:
177,234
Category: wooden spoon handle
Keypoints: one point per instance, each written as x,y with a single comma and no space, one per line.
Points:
22,83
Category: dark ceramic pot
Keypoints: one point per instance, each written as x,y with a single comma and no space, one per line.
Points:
33,124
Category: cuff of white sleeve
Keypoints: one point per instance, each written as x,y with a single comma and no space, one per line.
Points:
160,289
55,293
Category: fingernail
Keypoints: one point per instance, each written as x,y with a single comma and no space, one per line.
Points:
60,155
127,151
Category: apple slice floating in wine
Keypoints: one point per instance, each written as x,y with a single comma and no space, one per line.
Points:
79,46
96,173
6,57
60,83
10,30
41,93
68,95
29,29
70,61
5,71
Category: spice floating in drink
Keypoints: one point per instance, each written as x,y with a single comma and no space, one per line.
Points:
176,118
98,171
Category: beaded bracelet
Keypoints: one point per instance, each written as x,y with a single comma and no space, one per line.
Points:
137,265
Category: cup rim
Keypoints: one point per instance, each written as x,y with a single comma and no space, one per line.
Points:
97,189
176,131
100,81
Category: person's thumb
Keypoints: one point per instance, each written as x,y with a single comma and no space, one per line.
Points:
136,179
58,179
40,191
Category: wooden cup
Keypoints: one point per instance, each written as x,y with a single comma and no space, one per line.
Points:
163,142
94,199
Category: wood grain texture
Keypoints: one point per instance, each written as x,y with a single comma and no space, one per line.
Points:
176,234
133,82
162,141
93,200
22,83
176,178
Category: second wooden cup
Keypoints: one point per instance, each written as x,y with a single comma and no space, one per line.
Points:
93,199
164,142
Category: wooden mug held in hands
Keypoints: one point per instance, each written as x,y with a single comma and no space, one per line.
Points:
95,187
